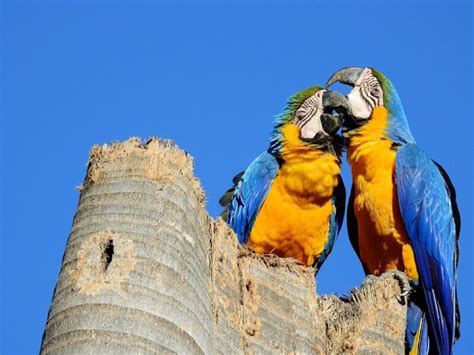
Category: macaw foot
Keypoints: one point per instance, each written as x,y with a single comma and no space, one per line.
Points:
405,285
369,279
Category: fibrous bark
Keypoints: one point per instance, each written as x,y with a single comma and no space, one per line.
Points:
146,270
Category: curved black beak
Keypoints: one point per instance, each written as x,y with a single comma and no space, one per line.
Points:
348,76
336,101
335,107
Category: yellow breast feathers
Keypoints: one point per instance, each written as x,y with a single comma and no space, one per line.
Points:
294,219
383,242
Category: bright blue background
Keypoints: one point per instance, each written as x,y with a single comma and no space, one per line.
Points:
210,76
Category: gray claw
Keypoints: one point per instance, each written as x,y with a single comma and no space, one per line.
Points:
405,285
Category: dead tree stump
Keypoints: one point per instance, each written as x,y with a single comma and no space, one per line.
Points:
146,270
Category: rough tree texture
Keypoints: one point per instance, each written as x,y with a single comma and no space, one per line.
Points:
146,270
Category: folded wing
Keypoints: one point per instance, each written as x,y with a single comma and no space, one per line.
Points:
428,210
246,197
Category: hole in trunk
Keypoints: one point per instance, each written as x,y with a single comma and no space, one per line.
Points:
108,254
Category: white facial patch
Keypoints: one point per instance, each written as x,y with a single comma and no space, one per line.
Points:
366,95
359,107
313,127
308,116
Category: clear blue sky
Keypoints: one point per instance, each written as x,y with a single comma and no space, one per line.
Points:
211,77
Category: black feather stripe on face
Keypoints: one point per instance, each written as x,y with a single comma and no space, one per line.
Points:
306,118
371,91
368,97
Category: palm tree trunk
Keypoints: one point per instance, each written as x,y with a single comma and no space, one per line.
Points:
146,270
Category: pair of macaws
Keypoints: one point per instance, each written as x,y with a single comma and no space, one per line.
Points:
402,215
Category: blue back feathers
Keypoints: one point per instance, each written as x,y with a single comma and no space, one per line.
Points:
398,129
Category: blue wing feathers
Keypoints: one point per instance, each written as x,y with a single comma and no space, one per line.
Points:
249,194
339,200
416,326
336,220
427,212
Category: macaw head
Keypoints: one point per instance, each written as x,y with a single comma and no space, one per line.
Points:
311,119
373,93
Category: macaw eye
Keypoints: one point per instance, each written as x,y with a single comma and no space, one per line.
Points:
375,91
300,114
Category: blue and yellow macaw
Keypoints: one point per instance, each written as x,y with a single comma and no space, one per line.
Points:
402,213
290,200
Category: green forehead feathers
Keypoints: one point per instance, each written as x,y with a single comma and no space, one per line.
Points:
296,100
386,85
